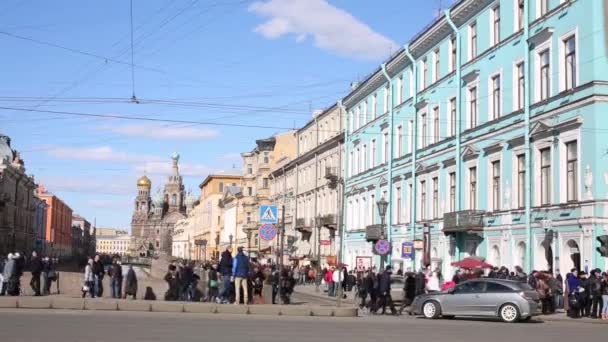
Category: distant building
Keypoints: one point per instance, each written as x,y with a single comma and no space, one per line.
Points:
17,202
40,243
58,232
115,244
81,237
154,218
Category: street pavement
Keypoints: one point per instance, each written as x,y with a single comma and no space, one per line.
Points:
93,326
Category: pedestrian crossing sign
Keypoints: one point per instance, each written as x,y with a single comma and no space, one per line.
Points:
268,214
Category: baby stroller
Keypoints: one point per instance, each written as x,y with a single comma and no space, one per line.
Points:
574,300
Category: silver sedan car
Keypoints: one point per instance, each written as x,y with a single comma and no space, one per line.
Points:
511,301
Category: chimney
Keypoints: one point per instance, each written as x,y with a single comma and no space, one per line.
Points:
354,85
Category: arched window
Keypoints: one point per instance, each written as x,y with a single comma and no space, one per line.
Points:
174,199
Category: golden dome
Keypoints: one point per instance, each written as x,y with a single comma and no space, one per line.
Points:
144,182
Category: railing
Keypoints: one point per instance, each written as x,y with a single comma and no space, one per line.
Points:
328,220
461,221
374,232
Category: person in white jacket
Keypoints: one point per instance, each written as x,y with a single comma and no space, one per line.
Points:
338,278
89,280
433,284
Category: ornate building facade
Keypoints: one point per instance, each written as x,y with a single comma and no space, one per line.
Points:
17,202
155,216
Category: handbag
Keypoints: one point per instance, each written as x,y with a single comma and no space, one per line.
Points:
85,288
213,283
52,275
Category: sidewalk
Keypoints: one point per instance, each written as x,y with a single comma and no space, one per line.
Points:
310,290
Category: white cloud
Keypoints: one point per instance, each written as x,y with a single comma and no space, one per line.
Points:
100,153
331,28
89,185
165,168
163,132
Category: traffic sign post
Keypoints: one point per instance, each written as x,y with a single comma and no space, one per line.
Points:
269,214
268,232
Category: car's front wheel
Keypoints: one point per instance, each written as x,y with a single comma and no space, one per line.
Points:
509,313
431,310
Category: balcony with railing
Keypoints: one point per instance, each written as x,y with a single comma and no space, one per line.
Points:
329,221
463,221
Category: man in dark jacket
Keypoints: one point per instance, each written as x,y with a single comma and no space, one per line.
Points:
384,288
98,275
585,296
115,273
595,286
240,273
225,269
36,269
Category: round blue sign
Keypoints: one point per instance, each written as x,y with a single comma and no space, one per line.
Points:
382,247
267,232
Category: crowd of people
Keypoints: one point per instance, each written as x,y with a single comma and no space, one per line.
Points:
94,273
13,267
236,279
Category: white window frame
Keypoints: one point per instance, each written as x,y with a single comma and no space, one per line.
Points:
495,157
517,22
562,58
410,136
451,57
419,202
515,86
423,117
358,117
351,126
436,65
451,169
423,68
449,120
493,12
492,115
386,98
539,4
400,89
537,77
411,81
373,151
374,106
435,215
467,195
564,139
364,158
436,123
384,146
364,113
470,40
538,146
400,140
469,122
398,194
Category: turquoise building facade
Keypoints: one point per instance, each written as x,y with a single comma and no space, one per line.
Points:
489,130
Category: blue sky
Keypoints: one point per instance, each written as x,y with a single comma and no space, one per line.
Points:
262,63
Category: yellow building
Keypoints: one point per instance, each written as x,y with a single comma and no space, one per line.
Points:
115,244
207,243
255,191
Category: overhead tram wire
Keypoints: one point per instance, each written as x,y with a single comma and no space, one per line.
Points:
133,97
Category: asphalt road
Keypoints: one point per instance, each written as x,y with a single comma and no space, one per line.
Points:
89,326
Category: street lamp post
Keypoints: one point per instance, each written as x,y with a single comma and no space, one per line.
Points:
382,205
230,237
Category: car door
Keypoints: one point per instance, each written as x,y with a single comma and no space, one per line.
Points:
463,299
495,295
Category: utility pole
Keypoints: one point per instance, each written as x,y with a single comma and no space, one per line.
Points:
282,240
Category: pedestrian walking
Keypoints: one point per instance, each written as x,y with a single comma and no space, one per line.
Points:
115,274
258,285
275,282
225,269
595,287
384,284
36,270
573,294
213,286
604,296
172,293
88,282
409,290
433,284
585,294
131,283
8,274
98,273
240,272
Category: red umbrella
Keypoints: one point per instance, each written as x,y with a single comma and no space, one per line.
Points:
471,263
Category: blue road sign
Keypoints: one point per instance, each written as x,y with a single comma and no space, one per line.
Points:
269,214
267,232
407,250
382,247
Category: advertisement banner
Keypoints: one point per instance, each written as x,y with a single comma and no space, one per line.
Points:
407,250
363,263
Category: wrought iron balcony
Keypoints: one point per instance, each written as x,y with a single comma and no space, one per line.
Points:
303,225
329,221
374,232
463,221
